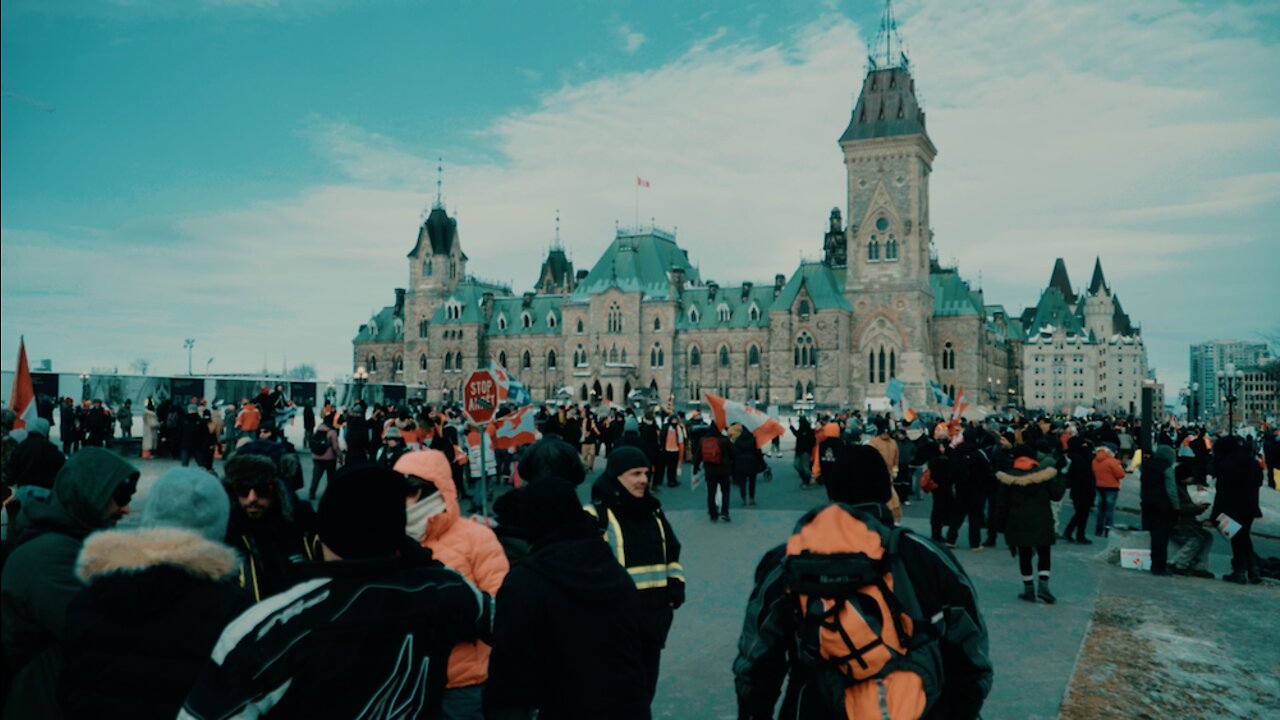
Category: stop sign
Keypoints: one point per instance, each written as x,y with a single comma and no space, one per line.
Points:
480,396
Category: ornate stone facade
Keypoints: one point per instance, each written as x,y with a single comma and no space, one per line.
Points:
832,335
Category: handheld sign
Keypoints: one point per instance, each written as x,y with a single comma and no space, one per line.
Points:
480,396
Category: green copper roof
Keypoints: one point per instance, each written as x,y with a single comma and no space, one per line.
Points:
887,107
1053,312
468,295
637,263
739,306
382,328
824,287
953,297
541,309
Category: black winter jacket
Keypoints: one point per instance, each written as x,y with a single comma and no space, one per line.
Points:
568,638
362,638
1023,512
156,602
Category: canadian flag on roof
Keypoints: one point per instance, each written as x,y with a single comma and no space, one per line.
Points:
727,412
641,182
512,431
22,398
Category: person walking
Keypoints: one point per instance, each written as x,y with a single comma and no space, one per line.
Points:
325,453
1238,480
434,520
1107,474
1024,516
570,604
643,541
748,461
671,441
124,416
803,458
1083,488
717,455
1160,504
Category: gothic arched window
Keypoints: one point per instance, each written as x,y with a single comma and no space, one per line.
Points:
724,356
502,358
372,364
804,354
422,362
695,357
551,359
526,360
753,356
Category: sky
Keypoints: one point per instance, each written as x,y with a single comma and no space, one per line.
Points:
251,173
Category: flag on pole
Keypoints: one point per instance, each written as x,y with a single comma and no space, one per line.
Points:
727,412
940,396
22,398
897,401
510,390
957,410
512,431
641,182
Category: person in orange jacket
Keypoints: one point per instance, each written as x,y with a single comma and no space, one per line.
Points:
473,550
824,452
1107,474
248,420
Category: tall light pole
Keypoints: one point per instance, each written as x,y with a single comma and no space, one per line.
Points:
1231,379
1195,402
188,344
361,376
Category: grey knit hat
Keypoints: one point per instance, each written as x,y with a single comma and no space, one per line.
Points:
189,499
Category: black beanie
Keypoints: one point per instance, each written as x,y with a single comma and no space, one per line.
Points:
362,513
860,476
625,458
551,458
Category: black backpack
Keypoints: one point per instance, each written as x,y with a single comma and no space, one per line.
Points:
319,442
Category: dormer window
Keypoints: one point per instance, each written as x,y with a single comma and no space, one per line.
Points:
453,310
526,320
502,324
551,320
693,316
722,313
754,313
397,327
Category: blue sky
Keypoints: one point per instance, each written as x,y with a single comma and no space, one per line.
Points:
252,173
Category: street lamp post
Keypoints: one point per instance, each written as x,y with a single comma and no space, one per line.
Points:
1195,402
1231,378
84,386
361,376
188,344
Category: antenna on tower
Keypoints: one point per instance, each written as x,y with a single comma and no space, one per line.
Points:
557,245
886,39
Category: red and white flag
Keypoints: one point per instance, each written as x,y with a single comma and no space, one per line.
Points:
22,398
957,410
512,431
641,182
727,412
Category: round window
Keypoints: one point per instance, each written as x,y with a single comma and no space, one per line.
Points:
882,224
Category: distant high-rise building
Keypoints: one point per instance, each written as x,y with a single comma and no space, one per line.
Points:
1207,359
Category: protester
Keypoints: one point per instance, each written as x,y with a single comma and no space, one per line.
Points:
325,453
92,491
1160,504
1238,479
269,524
124,416
31,469
803,460
470,548
156,600
635,527
1082,485
547,459
574,608
717,455
366,636
150,429
1107,474
748,462
1024,516
1194,541
777,639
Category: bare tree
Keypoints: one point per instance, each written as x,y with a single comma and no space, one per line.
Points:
304,371
140,365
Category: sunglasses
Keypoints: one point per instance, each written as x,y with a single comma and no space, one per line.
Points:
261,489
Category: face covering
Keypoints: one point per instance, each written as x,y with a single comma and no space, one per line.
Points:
417,515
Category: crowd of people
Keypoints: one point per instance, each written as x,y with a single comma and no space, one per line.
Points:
371,592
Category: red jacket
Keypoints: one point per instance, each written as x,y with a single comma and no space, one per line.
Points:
1107,471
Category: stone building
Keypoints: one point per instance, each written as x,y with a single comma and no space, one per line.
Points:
1081,350
833,333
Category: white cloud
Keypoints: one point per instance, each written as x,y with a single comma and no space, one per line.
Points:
631,39
1140,135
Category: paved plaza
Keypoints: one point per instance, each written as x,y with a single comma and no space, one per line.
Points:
1119,643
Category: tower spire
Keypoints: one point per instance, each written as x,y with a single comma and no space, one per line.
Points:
886,39
439,183
557,245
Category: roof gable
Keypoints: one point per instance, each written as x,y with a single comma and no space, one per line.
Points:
637,262
824,287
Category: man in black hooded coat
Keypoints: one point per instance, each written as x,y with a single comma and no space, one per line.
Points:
567,638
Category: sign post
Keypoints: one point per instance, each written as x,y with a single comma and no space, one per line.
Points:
479,402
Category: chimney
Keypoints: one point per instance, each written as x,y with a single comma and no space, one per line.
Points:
677,282
778,281
746,290
486,306
399,300
527,300
712,288
581,275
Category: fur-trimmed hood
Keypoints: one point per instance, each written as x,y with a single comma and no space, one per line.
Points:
126,551
1031,477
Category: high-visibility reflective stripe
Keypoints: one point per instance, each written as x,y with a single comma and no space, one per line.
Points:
640,574
649,585
647,568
